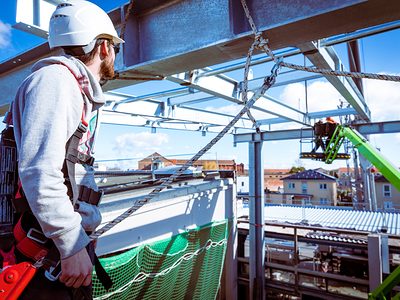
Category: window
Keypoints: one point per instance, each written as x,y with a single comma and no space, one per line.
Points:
386,190
307,201
304,187
292,185
388,205
323,201
323,186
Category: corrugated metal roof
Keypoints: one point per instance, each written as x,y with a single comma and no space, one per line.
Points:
333,217
310,174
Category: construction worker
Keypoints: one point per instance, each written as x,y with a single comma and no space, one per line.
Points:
330,127
60,99
319,133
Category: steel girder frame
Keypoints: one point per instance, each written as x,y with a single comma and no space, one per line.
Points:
293,134
226,88
141,111
169,37
326,58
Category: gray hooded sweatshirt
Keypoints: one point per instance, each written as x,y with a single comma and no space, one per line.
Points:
46,112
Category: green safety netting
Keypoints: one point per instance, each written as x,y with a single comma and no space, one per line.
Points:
185,266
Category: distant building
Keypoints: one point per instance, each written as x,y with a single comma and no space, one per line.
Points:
273,179
242,185
311,187
387,196
206,164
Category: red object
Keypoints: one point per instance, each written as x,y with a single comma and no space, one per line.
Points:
330,120
14,279
8,257
27,246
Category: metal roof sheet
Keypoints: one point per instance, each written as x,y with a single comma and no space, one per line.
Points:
309,175
333,217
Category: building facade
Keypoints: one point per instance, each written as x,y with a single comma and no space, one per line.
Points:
311,187
387,196
206,164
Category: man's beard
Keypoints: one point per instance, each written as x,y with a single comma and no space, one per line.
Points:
106,70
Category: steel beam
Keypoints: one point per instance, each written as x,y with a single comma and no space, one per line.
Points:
209,32
326,58
378,127
293,134
313,115
227,89
144,112
257,221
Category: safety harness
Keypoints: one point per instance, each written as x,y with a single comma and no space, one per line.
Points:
30,240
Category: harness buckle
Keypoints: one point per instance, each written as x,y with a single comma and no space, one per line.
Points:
82,127
37,236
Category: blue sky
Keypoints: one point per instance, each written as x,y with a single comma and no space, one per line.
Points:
379,54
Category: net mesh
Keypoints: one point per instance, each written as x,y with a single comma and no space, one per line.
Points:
185,266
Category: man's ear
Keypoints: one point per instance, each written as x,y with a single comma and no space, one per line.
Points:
104,50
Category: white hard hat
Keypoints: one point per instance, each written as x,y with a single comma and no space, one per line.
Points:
79,23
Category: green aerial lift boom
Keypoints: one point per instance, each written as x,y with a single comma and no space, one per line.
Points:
391,173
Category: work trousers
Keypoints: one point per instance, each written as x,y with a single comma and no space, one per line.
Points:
40,288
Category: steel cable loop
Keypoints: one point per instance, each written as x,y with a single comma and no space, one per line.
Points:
246,84
360,75
262,44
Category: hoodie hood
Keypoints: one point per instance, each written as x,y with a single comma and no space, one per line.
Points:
81,73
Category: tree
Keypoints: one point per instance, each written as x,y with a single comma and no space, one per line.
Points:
296,169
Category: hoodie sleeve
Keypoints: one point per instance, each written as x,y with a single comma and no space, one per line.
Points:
46,112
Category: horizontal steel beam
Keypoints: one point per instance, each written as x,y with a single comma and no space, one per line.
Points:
227,89
378,127
293,134
210,32
169,37
157,113
312,115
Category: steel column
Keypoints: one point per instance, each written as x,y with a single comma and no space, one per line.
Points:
374,261
353,54
256,213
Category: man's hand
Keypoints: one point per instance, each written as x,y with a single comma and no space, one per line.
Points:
76,270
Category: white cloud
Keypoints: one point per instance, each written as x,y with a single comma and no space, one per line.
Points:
321,95
140,141
383,98
5,35
138,146
231,109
